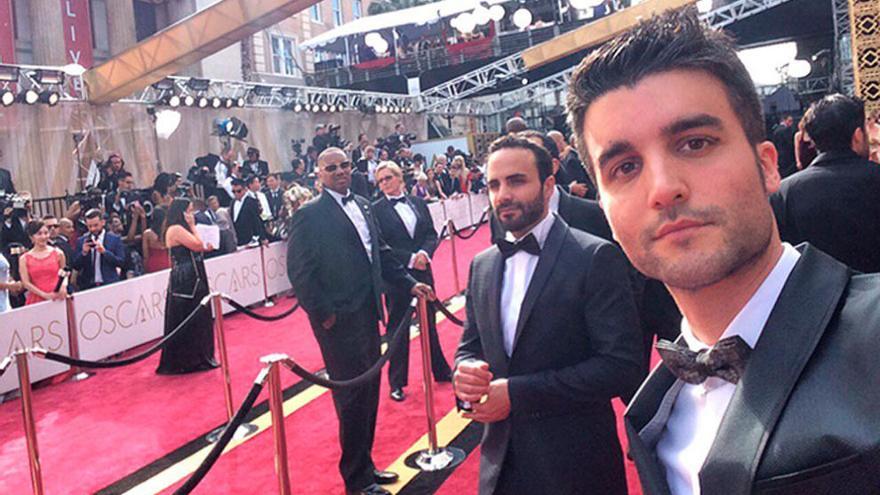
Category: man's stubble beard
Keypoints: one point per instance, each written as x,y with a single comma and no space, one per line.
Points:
531,213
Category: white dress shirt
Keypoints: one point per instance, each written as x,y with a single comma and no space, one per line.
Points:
554,201
96,259
236,208
518,271
266,210
408,216
698,409
354,213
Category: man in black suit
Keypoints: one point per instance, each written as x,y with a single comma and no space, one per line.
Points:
336,261
580,184
274,194
6,184
551,336
99,254
253,165
245,211
408,229
833,204
783,139
772,388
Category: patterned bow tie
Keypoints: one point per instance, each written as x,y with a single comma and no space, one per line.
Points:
726,360
346,199
399,199
528,244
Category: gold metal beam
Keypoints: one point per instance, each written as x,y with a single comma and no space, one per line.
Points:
184,43
864,16
596,32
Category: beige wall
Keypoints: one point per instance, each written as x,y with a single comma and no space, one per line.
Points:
38,145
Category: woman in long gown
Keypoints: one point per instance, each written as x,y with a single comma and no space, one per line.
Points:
193,349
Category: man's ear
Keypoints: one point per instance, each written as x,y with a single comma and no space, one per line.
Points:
768,160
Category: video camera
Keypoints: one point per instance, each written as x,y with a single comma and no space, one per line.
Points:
144,197
88,199
333,136
18,203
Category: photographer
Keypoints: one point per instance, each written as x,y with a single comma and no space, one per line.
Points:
321,140
99,254
6,185
399,138
253,165
110,172
16,215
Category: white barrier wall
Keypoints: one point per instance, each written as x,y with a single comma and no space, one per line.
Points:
479,202
438,215
238,275
275,268
40,325
459,211
119,316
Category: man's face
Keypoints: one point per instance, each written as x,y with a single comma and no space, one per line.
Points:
214,204
126,184
95,225
383,155
370,153
254,185
272,182
238,191
116,163
334,171
52,225
684,191
559,139
389,183
253,156
116,224
66,229
518,198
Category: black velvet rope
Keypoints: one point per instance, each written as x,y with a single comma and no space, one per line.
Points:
449,315
401,332
61,358
473,229
224,440
258,316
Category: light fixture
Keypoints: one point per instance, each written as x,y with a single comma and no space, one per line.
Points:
466,22
198,84
481,15
216,102
496,12
45,76
332,108
50,97
228,102
704,6
325,108
189,100
307,107
203,102
74,70
522,18
799,68
239,102
9,73
372,38
166,84
167,122
380,47
298,107
288,92
173,101
7,97
28,97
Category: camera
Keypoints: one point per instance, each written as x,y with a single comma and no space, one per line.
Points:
18,203
142,196
88,199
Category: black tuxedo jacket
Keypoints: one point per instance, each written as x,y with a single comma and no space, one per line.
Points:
833,204
276,200
360,185
577,345
804,418
248,224
260,168
6,181
394,231
327,264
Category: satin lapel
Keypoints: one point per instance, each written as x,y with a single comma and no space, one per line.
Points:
798,320
496,280
547,259
366,211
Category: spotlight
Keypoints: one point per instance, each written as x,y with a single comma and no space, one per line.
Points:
325,108
408,109
44,76
50,98
332,108
340,107
7,97
29,96
239,102
298,107
203,102
189,100
216,102
380,109
9,73
197,84
228,102
166,84
173,101
307,107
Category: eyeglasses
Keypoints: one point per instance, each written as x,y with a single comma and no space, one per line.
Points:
238,191
332,168
384,179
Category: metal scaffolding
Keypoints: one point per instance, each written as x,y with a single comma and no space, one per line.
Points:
843,63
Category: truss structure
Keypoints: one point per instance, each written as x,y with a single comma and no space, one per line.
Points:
19,78
275,96
843,63
810,85
738,10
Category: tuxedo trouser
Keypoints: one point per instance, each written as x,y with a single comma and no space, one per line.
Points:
350,347
398,308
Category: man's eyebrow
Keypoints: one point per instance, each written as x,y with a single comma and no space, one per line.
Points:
616,149
692,122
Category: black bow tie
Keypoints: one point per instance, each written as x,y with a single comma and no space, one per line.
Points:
726,360
399,199
528,244
346,199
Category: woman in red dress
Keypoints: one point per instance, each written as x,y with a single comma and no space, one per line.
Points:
40,267
155,253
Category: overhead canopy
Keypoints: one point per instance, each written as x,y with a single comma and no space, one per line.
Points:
184,43
421,15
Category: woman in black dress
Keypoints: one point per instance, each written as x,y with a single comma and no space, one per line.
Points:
192,349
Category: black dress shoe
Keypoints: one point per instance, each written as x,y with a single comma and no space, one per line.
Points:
398,395
373,489
384,477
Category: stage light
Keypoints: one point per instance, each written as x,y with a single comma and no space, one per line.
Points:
74,70
228,102
307,107
216,102
288,92
28,97
198,84
482,16
7,97
50,97
239,102
340,107
261,90
45,76
380,47
496,12
202,102
232,127
408,109
173,101
525,81
189,100
466,22
166,84
9,73
325,108
522,18
298,107
332,108
799,68
167,122
372,38
704,6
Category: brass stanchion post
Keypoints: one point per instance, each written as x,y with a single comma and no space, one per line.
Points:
434,458
450,226
276,408
267,302
246,428
27,413
76,373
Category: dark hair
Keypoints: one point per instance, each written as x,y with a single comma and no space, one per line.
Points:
93,213
547,142
831,122
239,182
48,216
175,215
123,174
674,40
542,157
157,222
250,179
33,227
515,124
162,182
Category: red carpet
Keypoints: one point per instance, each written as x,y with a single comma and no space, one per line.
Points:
96,434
